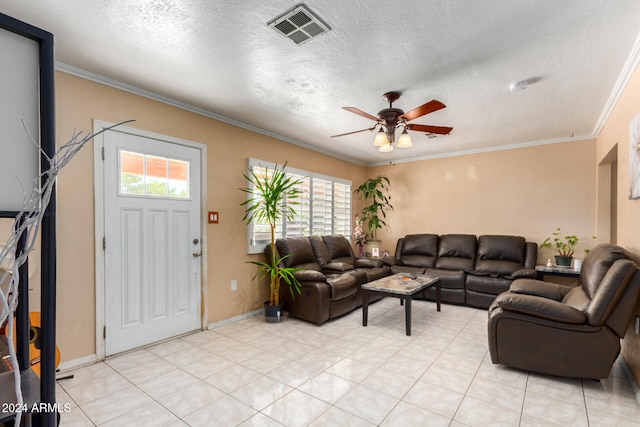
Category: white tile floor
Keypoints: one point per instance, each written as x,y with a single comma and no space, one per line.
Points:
250,373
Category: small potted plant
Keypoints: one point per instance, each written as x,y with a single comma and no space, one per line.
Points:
374,191
565,245
272,194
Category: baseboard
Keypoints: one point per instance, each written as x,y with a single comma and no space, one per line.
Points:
632,381
235,319
77,363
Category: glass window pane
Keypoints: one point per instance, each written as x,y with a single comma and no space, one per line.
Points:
342,209
131,173
157,180
321,207
178,178
299,226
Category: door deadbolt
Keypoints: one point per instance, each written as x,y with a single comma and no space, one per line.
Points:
196,241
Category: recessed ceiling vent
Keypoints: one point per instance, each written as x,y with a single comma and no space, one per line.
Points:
299,25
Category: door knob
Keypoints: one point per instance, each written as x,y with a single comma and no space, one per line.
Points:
197,254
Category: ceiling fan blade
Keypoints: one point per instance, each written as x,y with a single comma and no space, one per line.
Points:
355,131
427,108
362,113
441,130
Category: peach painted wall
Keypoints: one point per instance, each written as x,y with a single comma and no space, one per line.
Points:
80,101
527,192
616,131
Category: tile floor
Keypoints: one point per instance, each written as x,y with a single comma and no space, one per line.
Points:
250,373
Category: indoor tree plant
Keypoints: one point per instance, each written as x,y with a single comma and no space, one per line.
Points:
374,191
272,194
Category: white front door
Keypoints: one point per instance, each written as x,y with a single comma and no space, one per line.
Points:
152,242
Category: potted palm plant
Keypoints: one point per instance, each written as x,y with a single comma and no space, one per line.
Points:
374,191
271,196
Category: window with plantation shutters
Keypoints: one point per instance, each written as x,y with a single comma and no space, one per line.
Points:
323,207
342,209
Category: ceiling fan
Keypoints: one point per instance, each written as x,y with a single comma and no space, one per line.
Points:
389,119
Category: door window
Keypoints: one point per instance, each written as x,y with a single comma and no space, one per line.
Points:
149,175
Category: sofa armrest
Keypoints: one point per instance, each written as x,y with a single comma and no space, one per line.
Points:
539,288
539,307
309,276
522,273
531,255
368,263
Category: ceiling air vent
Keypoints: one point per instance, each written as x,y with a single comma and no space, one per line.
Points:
299,25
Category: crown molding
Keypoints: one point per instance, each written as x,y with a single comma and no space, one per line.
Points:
486,150
623,79
116,84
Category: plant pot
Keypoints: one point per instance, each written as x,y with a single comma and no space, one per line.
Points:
369,246
564,261
273,313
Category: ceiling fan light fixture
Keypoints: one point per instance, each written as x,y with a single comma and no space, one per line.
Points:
405,139
386,148
381,139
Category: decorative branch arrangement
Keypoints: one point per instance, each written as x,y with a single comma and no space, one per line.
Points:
27,223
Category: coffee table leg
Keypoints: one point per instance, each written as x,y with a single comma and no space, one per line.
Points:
407,314
438,295
365,307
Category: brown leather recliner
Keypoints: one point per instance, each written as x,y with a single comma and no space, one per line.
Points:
573,332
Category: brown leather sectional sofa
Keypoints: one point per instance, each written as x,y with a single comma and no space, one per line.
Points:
473,270
330,275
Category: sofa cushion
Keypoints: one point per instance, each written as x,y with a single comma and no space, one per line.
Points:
502,248
319,250
302,255
340,265
419,250
449,279
597,263
500,255
487,284
610,291
338,246
333,253
576,298
456,252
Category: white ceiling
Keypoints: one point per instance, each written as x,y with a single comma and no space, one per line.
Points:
221,57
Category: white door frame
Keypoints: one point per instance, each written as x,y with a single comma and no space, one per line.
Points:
98,179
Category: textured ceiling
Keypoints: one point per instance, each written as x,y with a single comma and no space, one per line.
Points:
221,57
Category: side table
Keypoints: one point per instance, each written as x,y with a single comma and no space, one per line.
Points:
542,270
